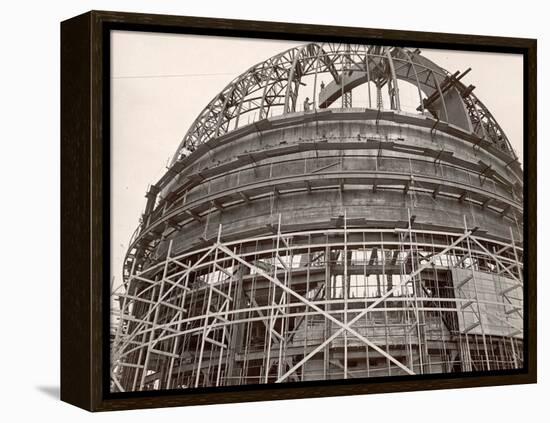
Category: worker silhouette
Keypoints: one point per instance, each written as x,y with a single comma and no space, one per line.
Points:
307,103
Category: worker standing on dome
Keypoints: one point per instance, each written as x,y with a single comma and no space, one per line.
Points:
307,103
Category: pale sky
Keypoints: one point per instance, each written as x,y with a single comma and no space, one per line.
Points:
161,82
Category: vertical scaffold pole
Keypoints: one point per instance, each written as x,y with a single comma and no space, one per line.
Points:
474,281
414,285
155,319
346,292
205,328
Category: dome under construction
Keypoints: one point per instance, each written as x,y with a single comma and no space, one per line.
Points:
336,211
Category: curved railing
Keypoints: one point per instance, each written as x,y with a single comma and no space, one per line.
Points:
167,210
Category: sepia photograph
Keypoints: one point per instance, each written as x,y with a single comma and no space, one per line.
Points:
288,211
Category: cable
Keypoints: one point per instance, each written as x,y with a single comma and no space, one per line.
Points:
182,75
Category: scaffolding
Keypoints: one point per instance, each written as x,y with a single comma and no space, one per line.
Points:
328,304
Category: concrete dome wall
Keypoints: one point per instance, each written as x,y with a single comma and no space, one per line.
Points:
311,170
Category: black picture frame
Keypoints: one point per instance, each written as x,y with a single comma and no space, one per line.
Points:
85,182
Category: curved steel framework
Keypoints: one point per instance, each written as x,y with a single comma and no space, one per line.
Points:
414,270
272,87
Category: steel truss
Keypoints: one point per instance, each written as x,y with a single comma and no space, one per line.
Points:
272,87
327,304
